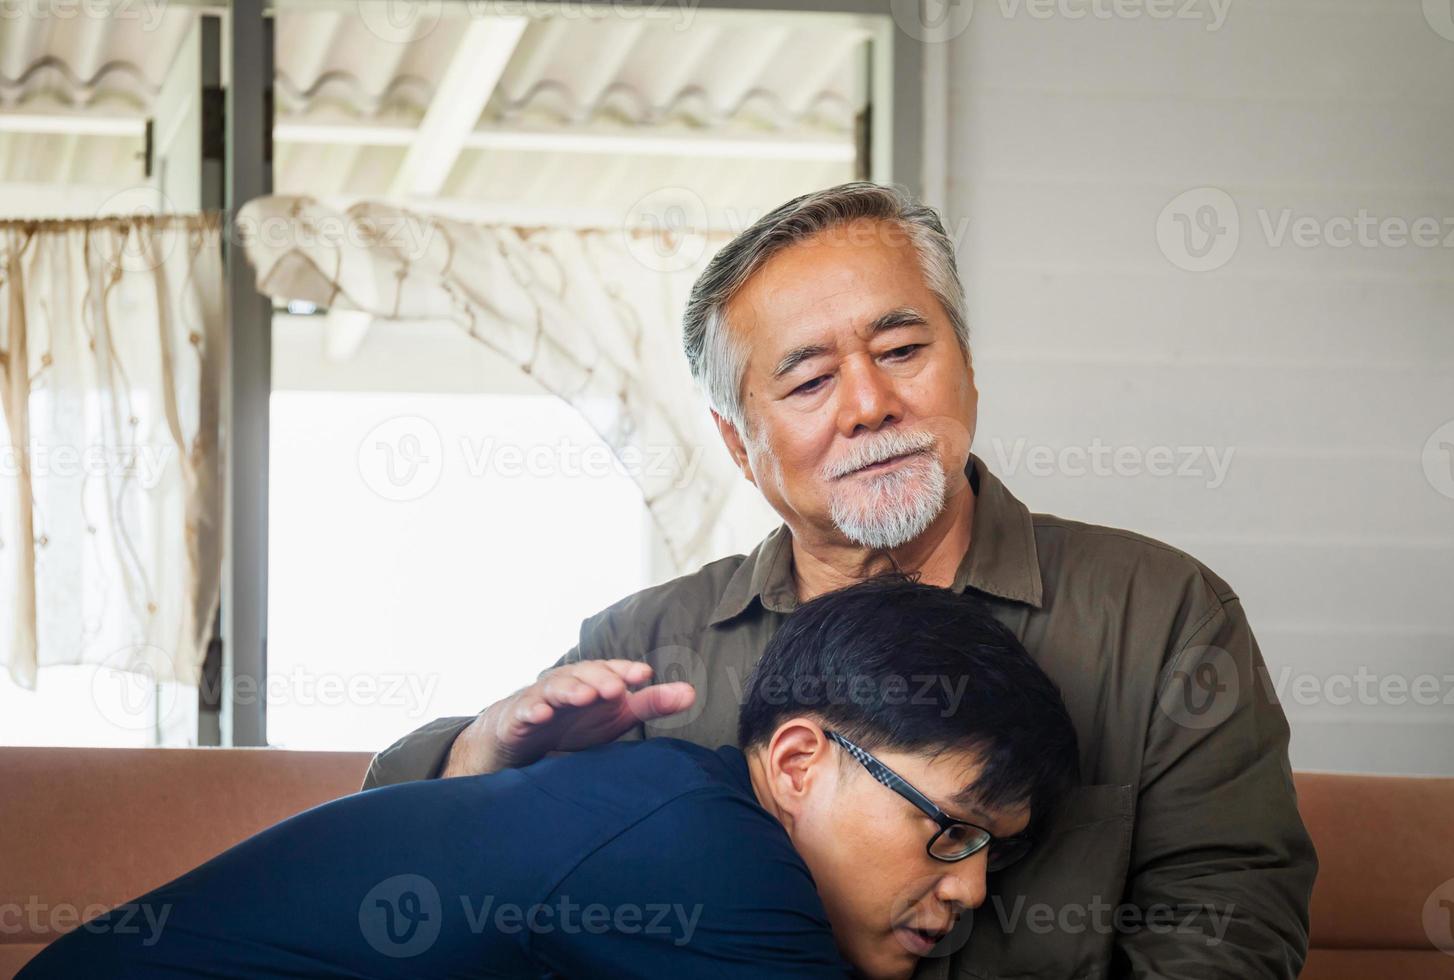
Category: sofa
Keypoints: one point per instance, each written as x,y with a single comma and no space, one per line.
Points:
85,829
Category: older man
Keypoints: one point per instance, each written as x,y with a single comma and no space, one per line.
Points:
831,341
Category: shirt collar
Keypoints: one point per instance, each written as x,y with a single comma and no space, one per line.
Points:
1001,560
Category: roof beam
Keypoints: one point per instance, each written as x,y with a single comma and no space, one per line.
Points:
638,141
73,123
479,60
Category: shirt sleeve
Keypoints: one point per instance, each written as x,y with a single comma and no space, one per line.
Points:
706,886
419,755
1220,852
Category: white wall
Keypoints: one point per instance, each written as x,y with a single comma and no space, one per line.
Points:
1317,374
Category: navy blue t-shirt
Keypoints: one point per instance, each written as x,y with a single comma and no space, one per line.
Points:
642,859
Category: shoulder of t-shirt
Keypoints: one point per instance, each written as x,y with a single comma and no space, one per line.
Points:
627,779
664,783
683,792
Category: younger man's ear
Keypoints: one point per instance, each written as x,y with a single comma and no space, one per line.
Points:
798,758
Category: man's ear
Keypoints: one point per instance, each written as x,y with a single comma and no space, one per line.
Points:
732,439
798,760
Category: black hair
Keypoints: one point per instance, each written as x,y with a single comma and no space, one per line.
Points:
894,664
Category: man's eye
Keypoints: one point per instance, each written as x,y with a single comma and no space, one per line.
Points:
899,353
808,386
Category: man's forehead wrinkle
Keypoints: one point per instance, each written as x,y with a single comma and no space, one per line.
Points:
805,296
800,337
809,276
795,304
766,301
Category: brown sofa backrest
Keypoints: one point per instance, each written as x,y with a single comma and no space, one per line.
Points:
1385,854
86,829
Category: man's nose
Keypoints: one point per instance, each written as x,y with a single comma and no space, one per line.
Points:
867,396
964,883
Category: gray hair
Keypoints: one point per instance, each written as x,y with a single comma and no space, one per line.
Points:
718,360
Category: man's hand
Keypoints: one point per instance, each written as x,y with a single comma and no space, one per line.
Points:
568,708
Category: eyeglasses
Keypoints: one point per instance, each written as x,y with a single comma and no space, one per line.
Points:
956,839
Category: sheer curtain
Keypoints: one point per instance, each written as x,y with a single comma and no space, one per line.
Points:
593,315
111,358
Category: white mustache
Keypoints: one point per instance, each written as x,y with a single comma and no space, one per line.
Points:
893,444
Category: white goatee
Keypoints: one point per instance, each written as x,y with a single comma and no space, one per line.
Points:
885,510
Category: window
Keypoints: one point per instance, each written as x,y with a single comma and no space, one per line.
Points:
429,550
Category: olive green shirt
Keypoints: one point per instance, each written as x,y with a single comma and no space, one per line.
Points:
1181,855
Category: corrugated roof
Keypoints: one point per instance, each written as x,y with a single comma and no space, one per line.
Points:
742,112
86,61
